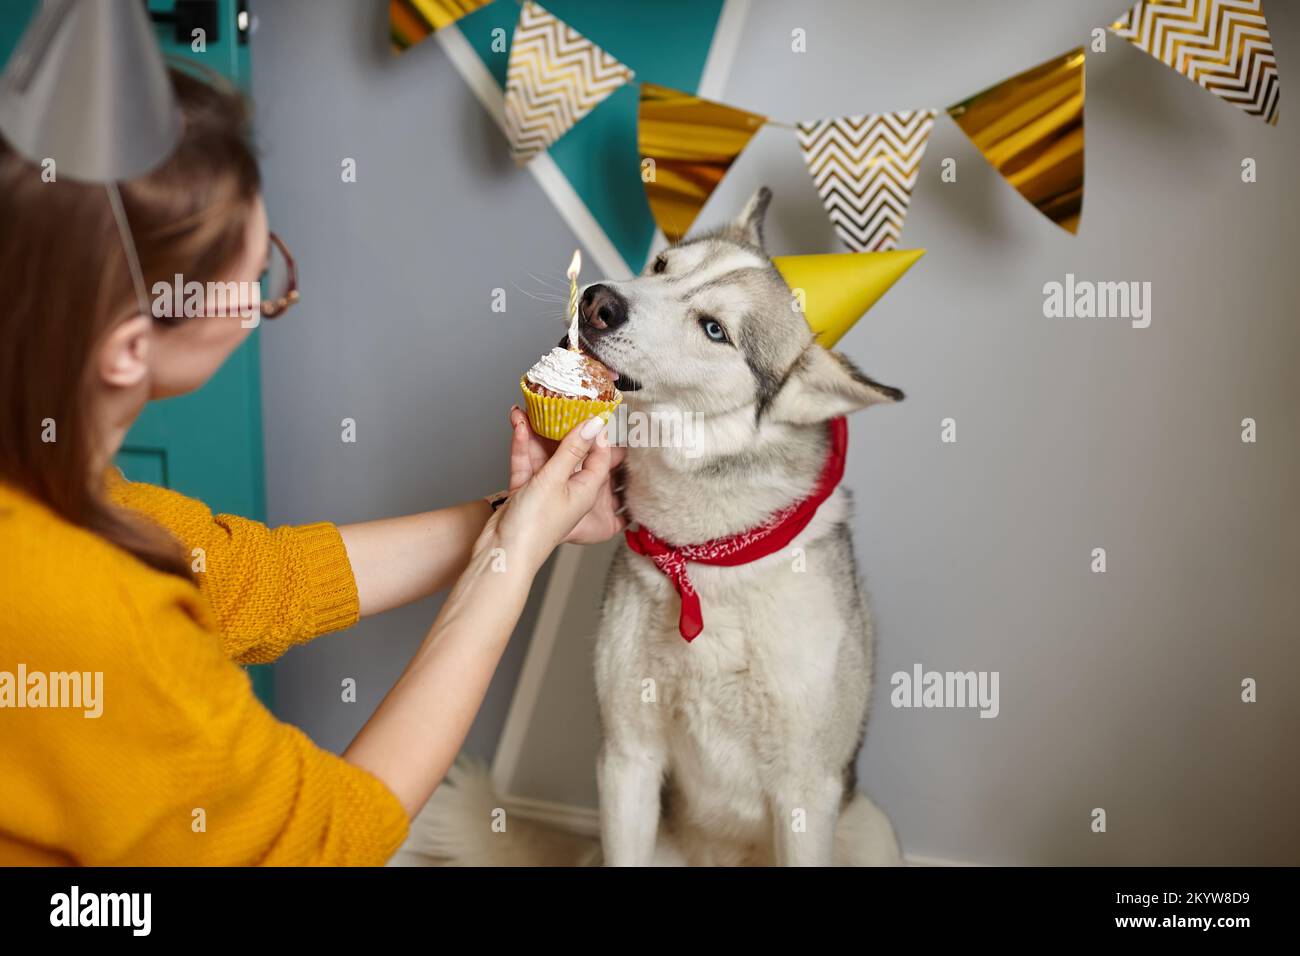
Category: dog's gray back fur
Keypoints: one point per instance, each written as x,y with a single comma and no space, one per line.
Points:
742,743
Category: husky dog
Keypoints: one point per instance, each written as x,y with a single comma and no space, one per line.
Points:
745,755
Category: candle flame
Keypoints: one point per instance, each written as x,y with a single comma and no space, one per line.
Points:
575,266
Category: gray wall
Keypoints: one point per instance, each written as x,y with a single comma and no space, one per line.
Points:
395,329
1118,690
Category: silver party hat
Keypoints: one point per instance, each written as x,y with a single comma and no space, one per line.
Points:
87,87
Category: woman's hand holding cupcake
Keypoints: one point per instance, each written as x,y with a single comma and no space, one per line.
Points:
557,496
529,452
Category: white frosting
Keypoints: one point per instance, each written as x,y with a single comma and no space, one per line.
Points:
561,371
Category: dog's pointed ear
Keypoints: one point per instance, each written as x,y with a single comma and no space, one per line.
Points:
748,226
823,385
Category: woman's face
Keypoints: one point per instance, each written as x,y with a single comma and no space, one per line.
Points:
184,356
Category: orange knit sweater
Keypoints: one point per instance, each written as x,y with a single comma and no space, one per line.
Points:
182,764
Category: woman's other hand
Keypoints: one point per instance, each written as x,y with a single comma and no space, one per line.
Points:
529,451
560,495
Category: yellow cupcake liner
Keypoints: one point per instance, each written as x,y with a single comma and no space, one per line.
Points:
554,417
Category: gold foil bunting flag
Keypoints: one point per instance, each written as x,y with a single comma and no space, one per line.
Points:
1030,128
687,145
1223,45
556,77
864,168
410,21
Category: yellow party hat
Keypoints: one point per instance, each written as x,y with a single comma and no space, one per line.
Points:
837,288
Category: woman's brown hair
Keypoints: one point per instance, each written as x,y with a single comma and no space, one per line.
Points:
65,282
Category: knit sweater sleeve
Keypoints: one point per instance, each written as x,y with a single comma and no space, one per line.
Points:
269,588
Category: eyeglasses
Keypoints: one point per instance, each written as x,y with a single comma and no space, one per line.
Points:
279,284
280,280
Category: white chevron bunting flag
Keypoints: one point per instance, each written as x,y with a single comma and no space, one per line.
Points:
556,77
864,168
1224,45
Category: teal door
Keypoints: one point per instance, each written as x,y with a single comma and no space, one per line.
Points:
208,444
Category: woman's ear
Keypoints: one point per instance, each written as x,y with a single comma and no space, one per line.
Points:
123,358
824,385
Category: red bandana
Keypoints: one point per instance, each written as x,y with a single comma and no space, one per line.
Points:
768,538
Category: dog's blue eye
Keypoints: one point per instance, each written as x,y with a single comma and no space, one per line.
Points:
713,329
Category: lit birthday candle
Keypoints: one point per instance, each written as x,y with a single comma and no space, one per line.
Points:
566,386
575,266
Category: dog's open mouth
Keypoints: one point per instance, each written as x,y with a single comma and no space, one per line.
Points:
625,383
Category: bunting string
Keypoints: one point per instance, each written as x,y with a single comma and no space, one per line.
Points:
865,167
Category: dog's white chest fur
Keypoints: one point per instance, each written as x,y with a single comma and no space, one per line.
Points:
764,661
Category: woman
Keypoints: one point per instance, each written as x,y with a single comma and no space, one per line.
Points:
138,603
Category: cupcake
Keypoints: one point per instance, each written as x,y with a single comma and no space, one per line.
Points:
565,388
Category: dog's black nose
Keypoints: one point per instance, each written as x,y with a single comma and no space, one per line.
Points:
603,308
